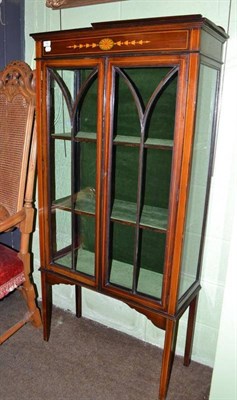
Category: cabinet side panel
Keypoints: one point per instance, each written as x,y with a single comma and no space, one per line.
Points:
199,181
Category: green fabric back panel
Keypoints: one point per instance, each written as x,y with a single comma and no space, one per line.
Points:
156,173
122,242
151,247
160,123
86,224
88,107
125,173
86,230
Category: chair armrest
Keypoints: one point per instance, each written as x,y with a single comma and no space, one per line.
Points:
12,221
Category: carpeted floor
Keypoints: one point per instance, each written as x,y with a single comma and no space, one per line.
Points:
84,360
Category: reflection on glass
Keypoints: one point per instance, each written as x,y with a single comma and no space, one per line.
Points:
73,96
84,200
85,177
60,170
61,232
60,121
82,258
199,177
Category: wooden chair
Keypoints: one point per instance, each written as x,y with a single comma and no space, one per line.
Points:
17,176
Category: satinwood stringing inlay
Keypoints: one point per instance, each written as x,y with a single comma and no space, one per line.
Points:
108,44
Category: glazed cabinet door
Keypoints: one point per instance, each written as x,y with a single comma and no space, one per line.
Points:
74,115
141,191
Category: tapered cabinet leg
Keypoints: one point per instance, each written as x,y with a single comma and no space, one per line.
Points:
46,305
78,294
190,331
168,357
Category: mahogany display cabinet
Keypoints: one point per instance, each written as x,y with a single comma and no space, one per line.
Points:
126,116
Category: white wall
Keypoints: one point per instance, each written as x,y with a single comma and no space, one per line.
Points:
224,381
223,198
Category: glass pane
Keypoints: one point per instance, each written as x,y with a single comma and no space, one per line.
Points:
151,262
126,119
140,89
61,235
73,102
60,123
83,250
143,129
160,124
61,172
124,183
72,129
199,177
87,106
121,254
85,176
156,187
84,253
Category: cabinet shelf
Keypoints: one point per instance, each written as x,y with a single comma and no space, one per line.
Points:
159,143
86,136
118,140
85,204
151,217
127,140
62,135
150,142
81,136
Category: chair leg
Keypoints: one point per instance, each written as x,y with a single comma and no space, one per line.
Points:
13,329
46,305
168,357
30,297
28,291
190,330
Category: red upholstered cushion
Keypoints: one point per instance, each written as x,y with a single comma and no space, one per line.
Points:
11,270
